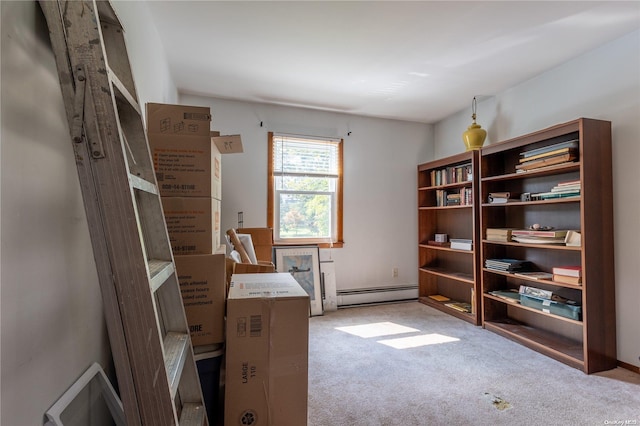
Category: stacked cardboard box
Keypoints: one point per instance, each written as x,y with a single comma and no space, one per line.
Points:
188,170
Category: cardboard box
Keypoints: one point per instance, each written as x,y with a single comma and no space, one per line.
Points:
262,239
227,144
186,166
203,288
193,224
266,377
178,119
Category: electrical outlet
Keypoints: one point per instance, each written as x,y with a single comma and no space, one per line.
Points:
394,272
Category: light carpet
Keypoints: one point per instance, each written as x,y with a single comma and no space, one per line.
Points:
408,364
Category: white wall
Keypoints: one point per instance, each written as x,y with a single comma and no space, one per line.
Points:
380,159
146,54
52,324
602,84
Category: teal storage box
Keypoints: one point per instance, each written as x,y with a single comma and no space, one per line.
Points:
552,307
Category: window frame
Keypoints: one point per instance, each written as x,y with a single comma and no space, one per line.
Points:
271,203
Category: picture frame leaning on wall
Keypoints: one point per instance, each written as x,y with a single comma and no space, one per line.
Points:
303,263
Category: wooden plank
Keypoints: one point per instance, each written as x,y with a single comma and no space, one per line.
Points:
175,348
192,415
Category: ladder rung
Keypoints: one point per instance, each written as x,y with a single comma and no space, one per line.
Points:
160,271
142,185
192,415
122,93
175,351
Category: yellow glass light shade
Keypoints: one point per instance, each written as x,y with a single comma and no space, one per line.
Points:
474,137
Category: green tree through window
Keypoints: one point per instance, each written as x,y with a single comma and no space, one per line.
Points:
305,200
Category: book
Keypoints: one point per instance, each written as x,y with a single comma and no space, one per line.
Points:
535,292
539,233
460,306
537,240
461,243
568,270
499,231
536,275
566,188
439,297
573,239
500,194
498,234
567,279
546,161
546,154
501,200
567,144
549,195
569,183
511,296
550,167
506,265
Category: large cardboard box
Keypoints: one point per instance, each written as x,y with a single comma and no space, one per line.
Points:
178,119
193,224
186,166
203,287
266,377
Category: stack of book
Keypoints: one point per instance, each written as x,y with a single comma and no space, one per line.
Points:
507,265
462,197
569,274
499,234
500,197
559,153
565,189
461,244
532,236
453,199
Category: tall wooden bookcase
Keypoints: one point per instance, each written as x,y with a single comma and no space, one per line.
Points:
445,271
588,343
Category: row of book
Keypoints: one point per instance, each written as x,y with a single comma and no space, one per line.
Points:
454,174
568,274
458,306
461,197
571,188
551,155
534,236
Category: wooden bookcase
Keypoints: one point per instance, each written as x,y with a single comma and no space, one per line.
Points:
589,343
446,271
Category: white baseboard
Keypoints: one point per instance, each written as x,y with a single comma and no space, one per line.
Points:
365,296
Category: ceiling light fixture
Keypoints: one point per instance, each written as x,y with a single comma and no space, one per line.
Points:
475,135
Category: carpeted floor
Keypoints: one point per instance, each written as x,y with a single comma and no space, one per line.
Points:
438,369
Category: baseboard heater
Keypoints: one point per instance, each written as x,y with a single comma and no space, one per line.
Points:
376,295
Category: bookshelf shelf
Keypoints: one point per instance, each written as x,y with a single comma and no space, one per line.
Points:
532,280
553,345
444,271
534,246
588,344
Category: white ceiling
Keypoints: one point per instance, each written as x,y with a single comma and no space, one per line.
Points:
418,61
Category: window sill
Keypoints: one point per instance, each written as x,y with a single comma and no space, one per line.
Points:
323,245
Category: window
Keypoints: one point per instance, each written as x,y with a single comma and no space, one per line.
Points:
305,190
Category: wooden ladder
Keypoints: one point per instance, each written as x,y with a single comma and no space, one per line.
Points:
157,375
